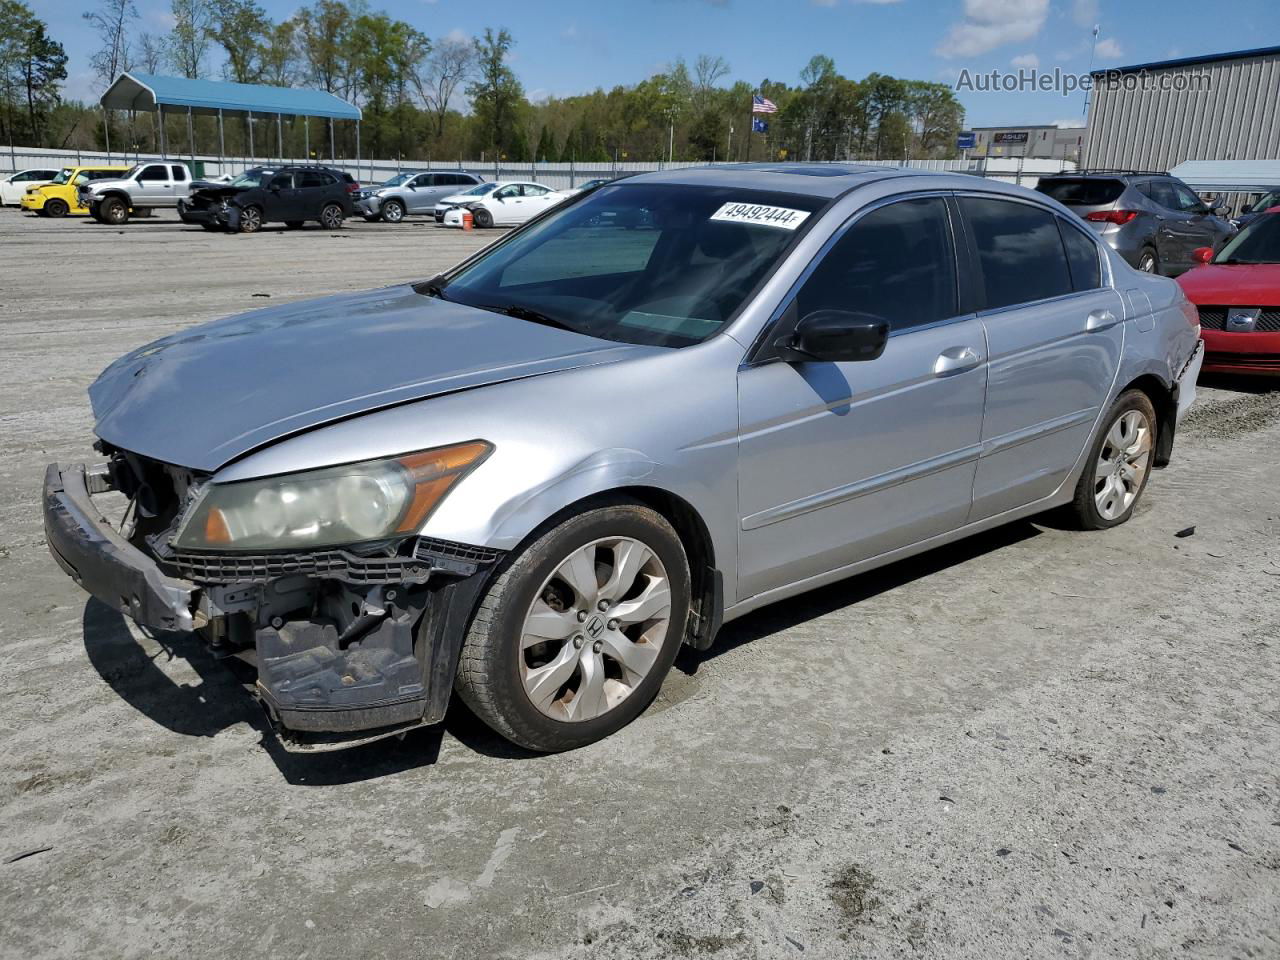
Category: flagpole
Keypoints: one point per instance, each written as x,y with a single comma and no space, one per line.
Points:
751,123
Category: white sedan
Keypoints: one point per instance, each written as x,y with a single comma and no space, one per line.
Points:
15,185
511,203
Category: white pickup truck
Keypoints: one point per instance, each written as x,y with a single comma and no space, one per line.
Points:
148,186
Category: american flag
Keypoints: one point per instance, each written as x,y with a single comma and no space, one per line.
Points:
761,104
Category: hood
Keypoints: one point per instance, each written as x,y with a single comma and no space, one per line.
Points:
213,393
1238,285
103,184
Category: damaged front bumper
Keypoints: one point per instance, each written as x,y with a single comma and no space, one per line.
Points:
348,646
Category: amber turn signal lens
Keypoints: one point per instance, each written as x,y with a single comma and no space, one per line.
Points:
433,473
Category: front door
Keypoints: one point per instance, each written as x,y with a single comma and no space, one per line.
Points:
841,462
420,197
279,201
1185,225
1054,336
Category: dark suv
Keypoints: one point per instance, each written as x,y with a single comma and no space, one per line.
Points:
1150,218
291,194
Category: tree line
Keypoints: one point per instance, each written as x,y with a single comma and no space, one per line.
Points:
451,97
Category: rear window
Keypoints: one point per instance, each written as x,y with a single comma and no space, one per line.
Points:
1082,191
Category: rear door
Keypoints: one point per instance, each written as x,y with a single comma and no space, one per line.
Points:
1054,334
280,198
181,183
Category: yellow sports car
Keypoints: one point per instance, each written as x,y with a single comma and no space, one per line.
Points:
59,198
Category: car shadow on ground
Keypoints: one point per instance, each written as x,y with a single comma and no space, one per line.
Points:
222,698
1238,382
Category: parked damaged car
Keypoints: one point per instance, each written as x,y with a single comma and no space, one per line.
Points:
656,407
291,194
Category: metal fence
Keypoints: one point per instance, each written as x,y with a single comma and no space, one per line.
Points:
558,176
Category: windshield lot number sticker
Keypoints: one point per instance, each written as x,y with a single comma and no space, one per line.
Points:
760,215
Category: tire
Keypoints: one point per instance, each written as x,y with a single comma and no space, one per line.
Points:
331,216
55,208
250,220
114,211
393,211
482,217
499,675
1108,492
95,211
1148,261
295,224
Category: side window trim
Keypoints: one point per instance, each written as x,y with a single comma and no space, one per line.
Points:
784,316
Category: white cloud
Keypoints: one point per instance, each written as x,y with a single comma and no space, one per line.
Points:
1029,60
570,32
1085,12
824,3
988,24
457,35
1109,49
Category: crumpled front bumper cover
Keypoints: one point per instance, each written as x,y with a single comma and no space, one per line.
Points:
106,565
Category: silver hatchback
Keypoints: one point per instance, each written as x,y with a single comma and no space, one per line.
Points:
653,409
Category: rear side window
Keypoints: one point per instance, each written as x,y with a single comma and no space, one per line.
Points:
179,172
1082,257
1019,249
896,263
154,172
1082,191
314,178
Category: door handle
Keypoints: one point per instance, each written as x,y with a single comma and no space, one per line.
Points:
1100,320
956,360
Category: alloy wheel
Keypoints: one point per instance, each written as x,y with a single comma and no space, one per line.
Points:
393,212
1147,263
250,220
331,216
1122,464
595,629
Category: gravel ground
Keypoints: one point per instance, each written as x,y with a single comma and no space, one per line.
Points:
1034,743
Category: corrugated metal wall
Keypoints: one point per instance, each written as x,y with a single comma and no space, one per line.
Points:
1230,114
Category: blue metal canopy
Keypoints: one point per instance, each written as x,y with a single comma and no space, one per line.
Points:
144,91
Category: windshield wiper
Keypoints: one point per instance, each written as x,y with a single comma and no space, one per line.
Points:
432,288
533,316
1236,261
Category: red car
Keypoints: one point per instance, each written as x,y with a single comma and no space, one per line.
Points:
1238,295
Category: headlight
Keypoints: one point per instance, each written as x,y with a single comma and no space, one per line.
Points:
374,500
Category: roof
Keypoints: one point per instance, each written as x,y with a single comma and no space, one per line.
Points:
1191,61
145,91
1229,175
813,179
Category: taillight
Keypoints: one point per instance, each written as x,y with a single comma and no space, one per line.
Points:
353,187
1112,216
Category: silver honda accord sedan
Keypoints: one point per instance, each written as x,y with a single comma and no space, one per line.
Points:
651,410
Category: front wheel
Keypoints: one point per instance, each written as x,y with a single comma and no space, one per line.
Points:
331,216
113,210
55,208
250,220
1119,464
393,211
574,638
482,217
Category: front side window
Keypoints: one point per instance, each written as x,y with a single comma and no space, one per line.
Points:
1187,201
506,193
1019,249
896,263
660,264
282,181
154,172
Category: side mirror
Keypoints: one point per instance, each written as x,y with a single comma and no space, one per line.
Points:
1202,254
834,336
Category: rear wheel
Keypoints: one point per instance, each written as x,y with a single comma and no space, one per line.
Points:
1148,262
113,210
331,216
574,638
482,217
55,208
393,211
250,220
1119,464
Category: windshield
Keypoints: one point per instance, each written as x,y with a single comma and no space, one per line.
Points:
1082,191
132,170
63,176
1259,242
480,190
398,179
1266,202
644,263
250,178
